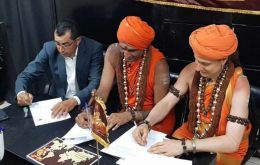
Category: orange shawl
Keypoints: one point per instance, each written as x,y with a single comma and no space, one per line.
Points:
222,158
168,123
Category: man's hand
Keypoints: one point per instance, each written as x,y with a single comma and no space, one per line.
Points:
24,99
82,120
63,108
140,134
117,119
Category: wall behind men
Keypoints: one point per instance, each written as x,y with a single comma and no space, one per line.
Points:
30,23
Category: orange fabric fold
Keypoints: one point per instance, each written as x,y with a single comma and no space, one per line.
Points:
135,32
213,42
167,125
222,158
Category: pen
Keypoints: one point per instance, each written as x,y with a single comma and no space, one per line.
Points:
25,110
89,109
93,146
1,129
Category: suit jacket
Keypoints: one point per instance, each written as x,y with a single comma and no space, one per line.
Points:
89,66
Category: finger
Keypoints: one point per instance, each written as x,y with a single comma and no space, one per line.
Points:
77,119
20,101
116,126
90,100
30,98
110,125
144,136
60,114
27,98
55,112
154,147
155,150
167,154
139,138
65,113
80,118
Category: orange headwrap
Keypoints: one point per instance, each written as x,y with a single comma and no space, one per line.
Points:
135,32
213,42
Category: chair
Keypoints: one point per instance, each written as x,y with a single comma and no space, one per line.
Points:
182,110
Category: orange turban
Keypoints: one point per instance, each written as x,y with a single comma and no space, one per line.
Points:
213,42
135,32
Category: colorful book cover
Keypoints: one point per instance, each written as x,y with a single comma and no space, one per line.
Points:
56,152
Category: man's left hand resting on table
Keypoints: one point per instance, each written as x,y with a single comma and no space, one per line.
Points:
63,108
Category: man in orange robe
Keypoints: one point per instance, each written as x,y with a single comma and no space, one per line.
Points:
141,72
219,95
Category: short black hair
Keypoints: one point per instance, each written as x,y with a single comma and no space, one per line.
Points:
67,25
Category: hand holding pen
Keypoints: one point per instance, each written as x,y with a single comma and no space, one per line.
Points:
84,119
24,99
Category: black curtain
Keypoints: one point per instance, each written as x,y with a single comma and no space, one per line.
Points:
99,19
28,24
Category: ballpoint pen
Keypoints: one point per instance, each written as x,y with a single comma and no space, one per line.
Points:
1,129
25,110
88,109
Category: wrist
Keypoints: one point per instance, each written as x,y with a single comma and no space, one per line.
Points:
132,114
146,122
72,102
184,146
191,146
19,93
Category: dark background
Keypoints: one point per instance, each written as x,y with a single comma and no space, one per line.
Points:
27,24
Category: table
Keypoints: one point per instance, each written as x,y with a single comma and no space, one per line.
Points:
22,137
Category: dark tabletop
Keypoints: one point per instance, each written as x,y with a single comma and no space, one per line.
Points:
21,136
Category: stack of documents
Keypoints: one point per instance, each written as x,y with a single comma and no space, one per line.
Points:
77,135
126,148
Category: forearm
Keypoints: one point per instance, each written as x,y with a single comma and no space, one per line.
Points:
217,144
161,109
140,115
102,93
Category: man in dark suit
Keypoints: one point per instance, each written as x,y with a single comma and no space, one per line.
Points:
75,63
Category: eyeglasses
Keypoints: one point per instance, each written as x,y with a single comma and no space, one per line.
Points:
65,45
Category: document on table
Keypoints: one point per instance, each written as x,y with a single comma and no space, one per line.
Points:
126,147
41,112
77,135
153,159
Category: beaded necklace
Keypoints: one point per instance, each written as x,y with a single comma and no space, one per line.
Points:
127,108
212,104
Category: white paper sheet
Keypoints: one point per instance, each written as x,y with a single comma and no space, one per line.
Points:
132,153
41,112
153,159
2,146
77,135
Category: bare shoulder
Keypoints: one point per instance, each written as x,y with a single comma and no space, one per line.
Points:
188,72
242,87
162,66
112,54
112,50
240,98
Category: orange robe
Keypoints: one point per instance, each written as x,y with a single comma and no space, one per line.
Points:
222,158
166,125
